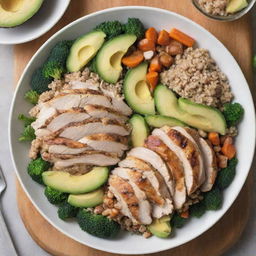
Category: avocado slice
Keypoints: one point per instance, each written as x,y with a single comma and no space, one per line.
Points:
136,91
236,5
140,130
159,121
16,12
91,199
74,184
161,227
84,49
196,115
108,59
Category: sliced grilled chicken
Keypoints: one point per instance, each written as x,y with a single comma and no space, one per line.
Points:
100,112
135,163
93,127
121,106
89,157
88,84
131,206
156,161
106,142
175,166
210,165
186,152
193,136
62,149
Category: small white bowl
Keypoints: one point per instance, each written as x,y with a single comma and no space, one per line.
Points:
126,243
47,16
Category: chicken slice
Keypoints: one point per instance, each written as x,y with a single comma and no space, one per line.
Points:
185,151
131,206
156,161
106,142
175,166
135,163
210,162
62,149
120,106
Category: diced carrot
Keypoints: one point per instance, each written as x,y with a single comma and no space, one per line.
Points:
228,150
155,65
163,38
133,60
181,37
185,214
151,34
214,138
152,78
228,140
146,45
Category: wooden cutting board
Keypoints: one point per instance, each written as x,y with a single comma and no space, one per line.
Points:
238,39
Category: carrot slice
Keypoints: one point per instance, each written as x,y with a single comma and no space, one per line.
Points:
133,60
151,34
152,78
228,150
146,45
163,38
185,214
155,65
181,37
214,138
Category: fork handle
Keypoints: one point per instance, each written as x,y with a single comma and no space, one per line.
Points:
6,245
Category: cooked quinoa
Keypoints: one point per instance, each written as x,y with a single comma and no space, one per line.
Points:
196,76
214,7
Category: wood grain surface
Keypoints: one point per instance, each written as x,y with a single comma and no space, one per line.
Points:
237,37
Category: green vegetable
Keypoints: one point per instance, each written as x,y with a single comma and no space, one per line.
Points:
254,61
134,26
32,97
54,196
233,113
27,120
53,69
197,210
38,82
66,211
111,28
97,225
28,134
213,199
177,221
226,175
36,168
92,65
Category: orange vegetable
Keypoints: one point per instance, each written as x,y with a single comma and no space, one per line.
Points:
151,34
181,37
155,65
228,150
152,78
146,45
214,138
163,38
133,60
185,214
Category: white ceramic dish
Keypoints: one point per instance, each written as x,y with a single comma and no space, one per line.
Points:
47,16
126,243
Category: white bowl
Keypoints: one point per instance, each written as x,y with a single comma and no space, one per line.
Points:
47,16
126,243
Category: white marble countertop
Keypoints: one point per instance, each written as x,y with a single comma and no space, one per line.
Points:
246,246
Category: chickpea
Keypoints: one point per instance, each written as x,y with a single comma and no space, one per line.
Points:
174,48
166,60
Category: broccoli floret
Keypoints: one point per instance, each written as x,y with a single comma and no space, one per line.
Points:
197,210
213,199
36,168
177,221
27,120
134,26
233,113
54,196
254,61
28,134
67,211
32,97
226,175
92,65
38,82
111,28
54,69
97,225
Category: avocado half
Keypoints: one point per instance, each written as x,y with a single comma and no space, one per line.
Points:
16,12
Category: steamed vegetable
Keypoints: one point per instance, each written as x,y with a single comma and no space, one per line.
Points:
151,34
181,37
28,134
233,113
32,97
197,210
213,199
177,221
163,38
39,82
111,28
66,211
134,26
54,196
26,120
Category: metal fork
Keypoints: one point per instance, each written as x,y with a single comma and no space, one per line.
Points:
6,245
